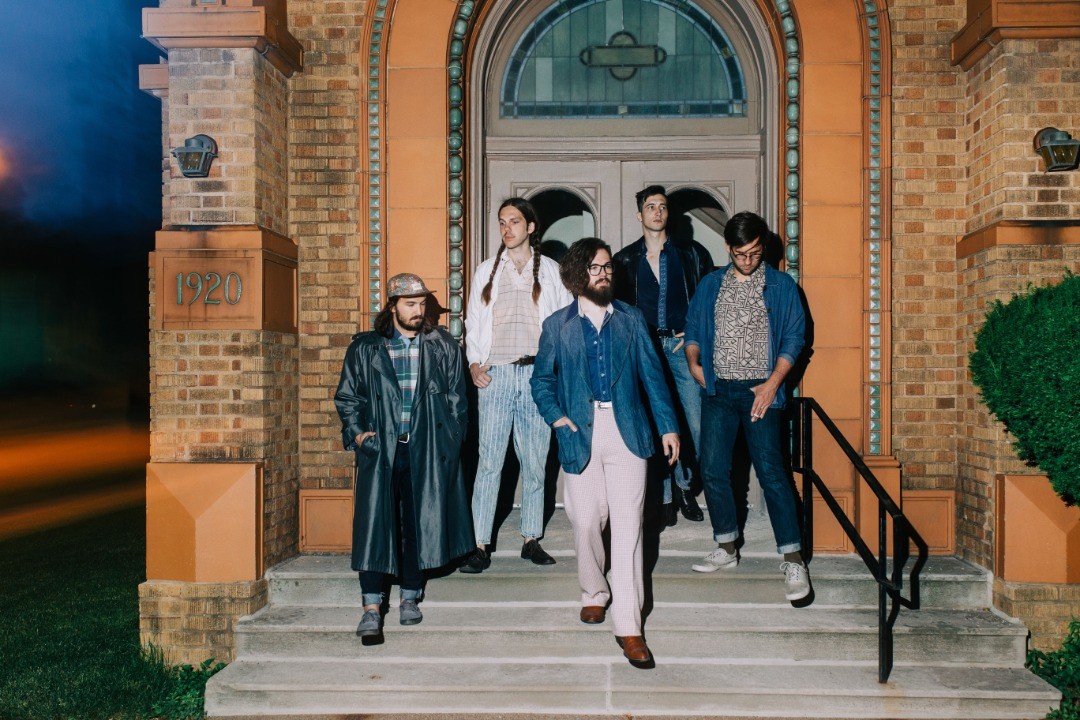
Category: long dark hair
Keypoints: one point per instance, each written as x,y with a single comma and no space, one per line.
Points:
384,321
529,213
574,268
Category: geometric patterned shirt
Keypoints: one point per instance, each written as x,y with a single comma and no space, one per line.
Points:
742,328
405,355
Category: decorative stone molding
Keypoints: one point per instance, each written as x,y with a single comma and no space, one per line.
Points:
992,21
154,79
1019,232
258,24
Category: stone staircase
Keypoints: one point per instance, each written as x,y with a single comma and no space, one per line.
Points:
508,643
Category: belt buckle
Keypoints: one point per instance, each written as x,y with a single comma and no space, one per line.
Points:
602,404
403,438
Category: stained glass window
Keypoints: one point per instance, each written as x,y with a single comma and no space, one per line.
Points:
623,58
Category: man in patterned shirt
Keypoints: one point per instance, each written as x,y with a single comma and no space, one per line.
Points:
744,330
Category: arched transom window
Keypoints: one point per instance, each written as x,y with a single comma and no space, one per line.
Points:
623,58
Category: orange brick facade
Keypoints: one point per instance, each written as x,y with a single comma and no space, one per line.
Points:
323,157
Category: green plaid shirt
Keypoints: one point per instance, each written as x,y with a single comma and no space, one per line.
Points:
405,354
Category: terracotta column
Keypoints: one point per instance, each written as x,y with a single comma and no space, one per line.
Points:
224,355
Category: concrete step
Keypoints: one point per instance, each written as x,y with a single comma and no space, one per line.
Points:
553,632
837,580
373,684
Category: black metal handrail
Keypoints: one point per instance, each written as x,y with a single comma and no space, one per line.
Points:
889,577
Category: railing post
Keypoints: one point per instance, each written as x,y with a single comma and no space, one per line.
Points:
807,453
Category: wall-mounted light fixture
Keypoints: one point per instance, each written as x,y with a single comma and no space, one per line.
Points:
1057,148
195,157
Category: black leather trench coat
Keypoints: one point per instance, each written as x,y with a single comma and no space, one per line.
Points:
368,399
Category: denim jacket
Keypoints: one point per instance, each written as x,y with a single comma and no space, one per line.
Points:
560,384
787,322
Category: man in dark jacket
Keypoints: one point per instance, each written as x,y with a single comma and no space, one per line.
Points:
658,275
403,411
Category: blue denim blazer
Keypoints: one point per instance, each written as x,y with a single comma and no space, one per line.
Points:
560,384
787,322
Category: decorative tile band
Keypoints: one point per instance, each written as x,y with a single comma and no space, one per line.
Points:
875,225
375,99
456,164
791,136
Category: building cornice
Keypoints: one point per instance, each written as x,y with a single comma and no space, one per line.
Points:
992,21
218,26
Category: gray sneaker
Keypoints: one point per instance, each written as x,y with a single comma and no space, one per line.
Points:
370,624
410,613
796,580
718,558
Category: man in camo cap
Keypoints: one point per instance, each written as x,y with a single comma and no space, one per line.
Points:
403,411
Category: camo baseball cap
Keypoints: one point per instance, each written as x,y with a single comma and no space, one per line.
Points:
405,285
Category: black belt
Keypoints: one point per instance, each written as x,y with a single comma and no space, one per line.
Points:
665,332
525,360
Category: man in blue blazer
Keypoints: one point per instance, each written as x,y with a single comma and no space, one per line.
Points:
594,358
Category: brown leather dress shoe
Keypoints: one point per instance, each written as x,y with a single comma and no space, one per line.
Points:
593,614
636,651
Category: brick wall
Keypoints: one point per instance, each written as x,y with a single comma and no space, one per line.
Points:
929,214
191,622
1045,609
236,97
328,220
1020,87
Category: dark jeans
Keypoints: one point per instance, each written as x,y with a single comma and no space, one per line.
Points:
721,416
412,578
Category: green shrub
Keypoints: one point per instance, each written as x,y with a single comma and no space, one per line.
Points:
1061,669
1026,364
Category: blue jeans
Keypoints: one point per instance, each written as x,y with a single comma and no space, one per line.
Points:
721,416
506,404
688,393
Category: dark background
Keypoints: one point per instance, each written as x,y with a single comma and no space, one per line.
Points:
80,199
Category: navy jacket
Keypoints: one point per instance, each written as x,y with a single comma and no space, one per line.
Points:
560,384
787,322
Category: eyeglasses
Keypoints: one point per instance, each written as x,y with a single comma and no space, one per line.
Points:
595,269
747,257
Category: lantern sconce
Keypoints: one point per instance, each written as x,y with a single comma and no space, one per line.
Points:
1057,148
195,157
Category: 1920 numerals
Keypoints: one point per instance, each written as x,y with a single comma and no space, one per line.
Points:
207,286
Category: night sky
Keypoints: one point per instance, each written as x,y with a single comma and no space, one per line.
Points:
79,143
80,199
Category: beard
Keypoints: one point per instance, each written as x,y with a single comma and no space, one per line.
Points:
414,323
599,294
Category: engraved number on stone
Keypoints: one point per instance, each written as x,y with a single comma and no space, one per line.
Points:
215,282
194,281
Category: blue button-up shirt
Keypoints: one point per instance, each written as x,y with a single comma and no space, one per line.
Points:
663,301
598,351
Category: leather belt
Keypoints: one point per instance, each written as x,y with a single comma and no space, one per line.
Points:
602,404
525,361
665,332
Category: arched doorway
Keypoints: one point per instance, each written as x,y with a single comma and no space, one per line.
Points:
600,98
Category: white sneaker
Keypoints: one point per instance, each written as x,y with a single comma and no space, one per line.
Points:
718,558
796,580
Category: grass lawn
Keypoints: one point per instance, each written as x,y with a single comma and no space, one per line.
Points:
69,626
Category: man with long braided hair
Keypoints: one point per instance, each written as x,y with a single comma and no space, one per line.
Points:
512,294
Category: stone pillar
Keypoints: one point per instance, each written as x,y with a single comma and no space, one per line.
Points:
222,481
1023,227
